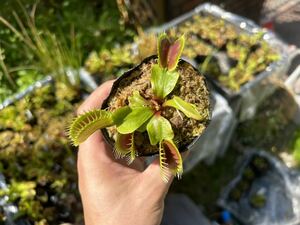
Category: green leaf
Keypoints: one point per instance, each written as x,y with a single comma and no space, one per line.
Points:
190,110
119,115
144,126
162,81
169,51
170,160
86,124
135,119
124,147
159,129
136,100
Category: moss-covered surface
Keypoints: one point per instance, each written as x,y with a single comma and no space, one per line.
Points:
36,159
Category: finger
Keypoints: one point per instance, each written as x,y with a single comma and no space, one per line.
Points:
96,99
154,167
153,175
93,155
95,147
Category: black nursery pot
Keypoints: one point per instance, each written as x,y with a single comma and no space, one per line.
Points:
191,87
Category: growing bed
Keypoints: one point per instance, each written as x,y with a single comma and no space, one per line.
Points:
36,159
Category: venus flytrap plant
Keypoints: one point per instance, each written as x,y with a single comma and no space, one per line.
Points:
145,115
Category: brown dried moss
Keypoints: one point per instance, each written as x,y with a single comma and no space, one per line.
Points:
191,87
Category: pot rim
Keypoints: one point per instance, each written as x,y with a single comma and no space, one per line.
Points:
128,73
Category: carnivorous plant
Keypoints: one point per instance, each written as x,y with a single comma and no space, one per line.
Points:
144,115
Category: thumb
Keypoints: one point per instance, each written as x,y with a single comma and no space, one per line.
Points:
153,175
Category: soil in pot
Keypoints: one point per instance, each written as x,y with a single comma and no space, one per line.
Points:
191,87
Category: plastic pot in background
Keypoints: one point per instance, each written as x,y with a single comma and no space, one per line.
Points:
245,101
262,187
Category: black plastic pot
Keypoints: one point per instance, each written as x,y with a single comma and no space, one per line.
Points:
128,74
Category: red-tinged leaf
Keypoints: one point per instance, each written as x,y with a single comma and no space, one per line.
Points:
169,52
163,49
174,53
124,147
170,160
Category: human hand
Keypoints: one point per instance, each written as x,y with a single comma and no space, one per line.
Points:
112,192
